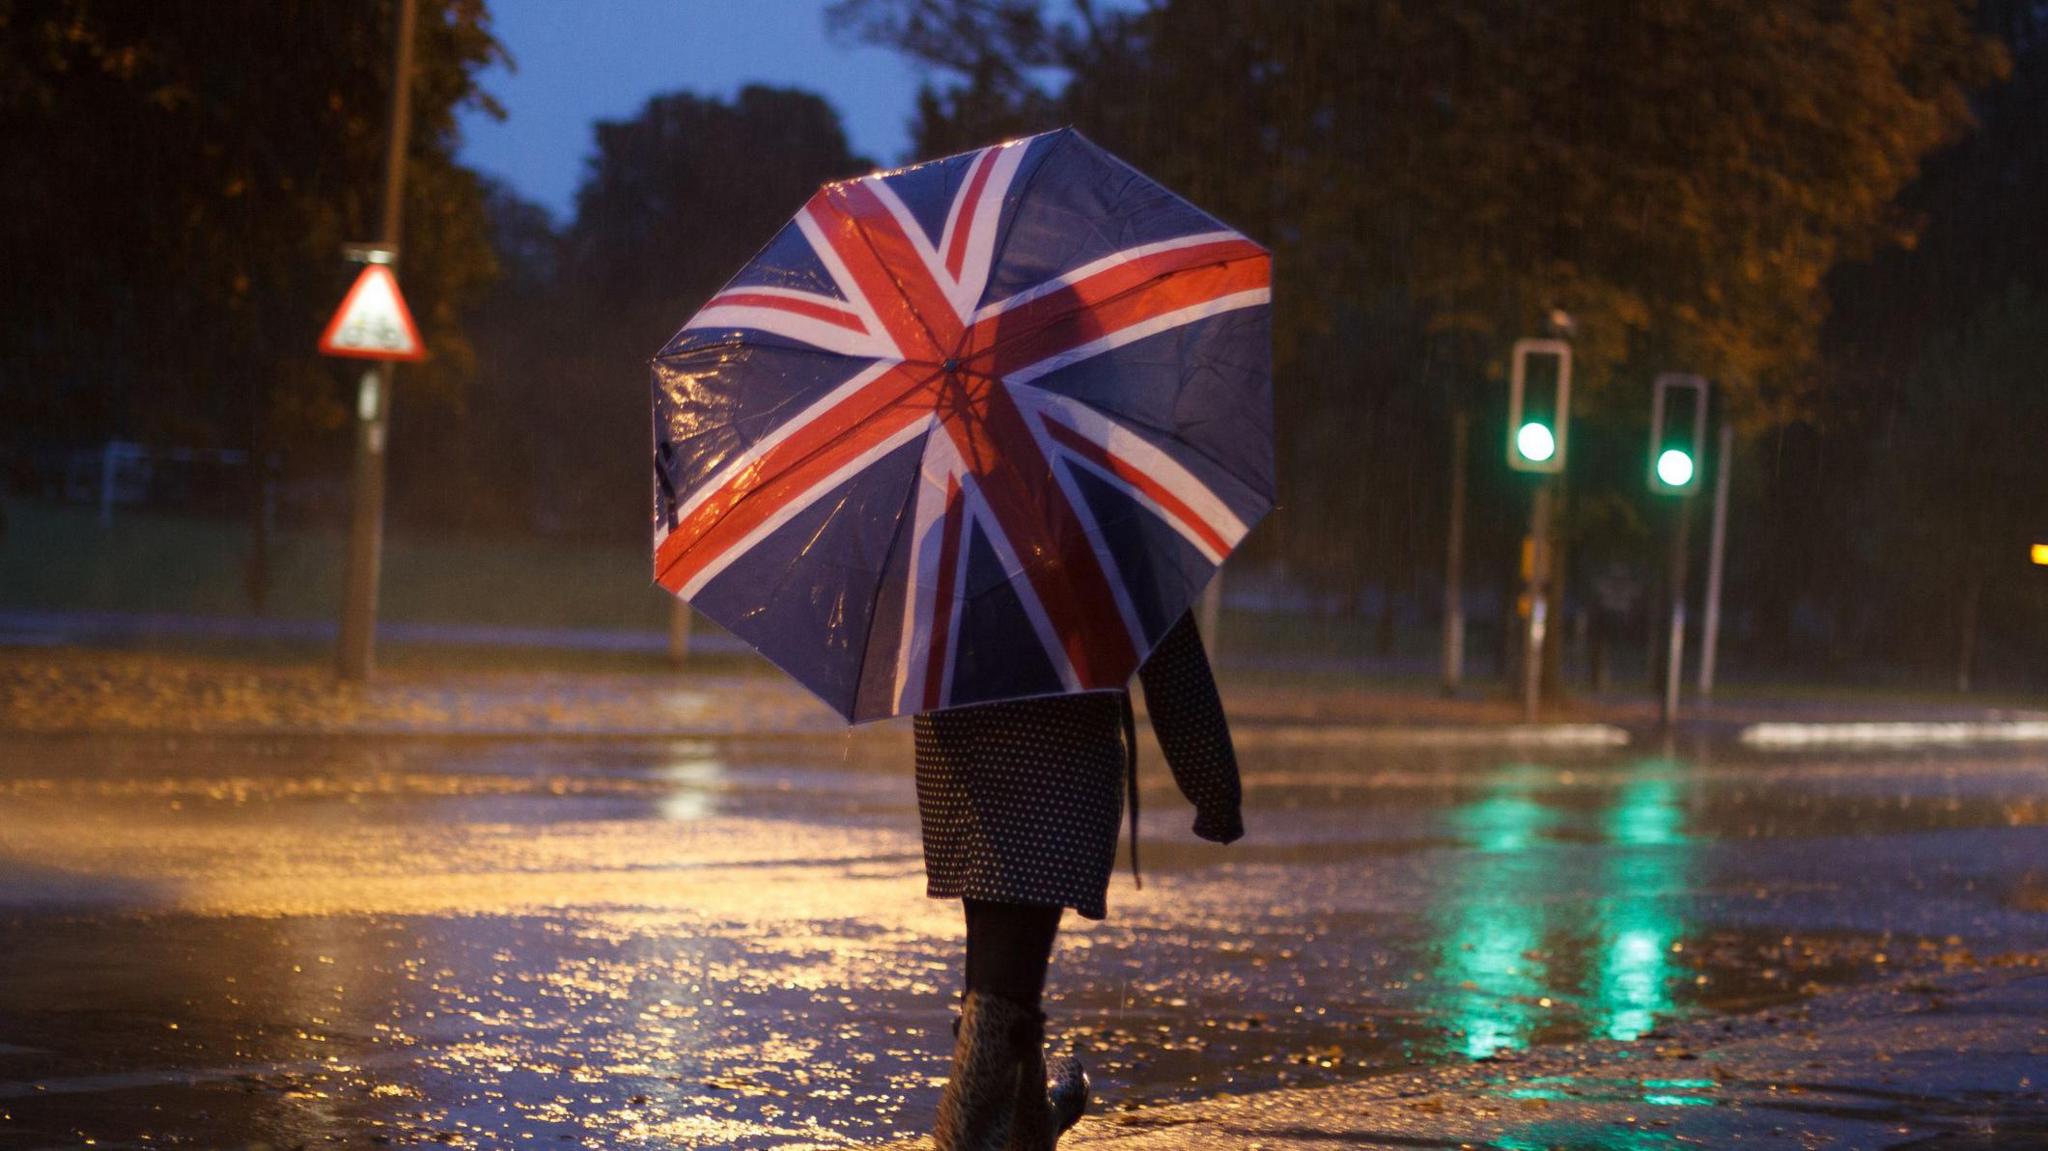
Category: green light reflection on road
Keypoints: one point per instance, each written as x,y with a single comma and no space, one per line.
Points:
1551,1136
1644,869
1493,924
1506,940
1662,1100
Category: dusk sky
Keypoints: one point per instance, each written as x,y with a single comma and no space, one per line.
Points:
579,62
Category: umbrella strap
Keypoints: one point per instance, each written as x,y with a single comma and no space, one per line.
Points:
1131,778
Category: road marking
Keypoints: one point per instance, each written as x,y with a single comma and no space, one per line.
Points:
1490,735
1796,735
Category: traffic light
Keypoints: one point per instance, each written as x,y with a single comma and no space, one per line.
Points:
2039,554
1539,411
1678,432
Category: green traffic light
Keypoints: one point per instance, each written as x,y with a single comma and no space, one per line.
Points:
1535,442
1674,467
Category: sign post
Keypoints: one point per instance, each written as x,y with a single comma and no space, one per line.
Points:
373,323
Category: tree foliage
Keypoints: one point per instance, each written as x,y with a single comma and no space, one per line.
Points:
1679,175
182,176
679,196
675,200
1436,177
1877,510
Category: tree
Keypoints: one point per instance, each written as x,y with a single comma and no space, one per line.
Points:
1958,521
472,466
183,177
1679,175
1838,539
993,52
675,201
1436,177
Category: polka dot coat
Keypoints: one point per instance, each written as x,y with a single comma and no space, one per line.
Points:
1020,801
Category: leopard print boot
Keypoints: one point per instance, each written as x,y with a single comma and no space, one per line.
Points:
1045,1111
1068,1093
977,1111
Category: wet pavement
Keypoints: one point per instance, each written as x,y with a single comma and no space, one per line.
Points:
1939,1062
347,941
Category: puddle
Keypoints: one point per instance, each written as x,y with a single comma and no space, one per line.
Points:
688,945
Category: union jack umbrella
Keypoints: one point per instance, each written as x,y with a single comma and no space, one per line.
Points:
977,429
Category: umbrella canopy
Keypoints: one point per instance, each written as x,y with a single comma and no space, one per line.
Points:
977,429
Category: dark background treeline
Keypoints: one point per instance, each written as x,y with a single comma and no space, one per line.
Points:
1830,207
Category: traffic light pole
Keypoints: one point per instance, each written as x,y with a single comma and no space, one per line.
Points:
1674,656
1717,554
373,405
1539,601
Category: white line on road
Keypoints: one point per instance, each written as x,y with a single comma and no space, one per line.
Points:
1486,735
1798,735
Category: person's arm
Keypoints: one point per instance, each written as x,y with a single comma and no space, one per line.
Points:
1187,717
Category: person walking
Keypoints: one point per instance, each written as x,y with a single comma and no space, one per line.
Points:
954,435
1019,802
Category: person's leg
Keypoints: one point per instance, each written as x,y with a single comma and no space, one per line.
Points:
998,1096
1001,1032
1009,947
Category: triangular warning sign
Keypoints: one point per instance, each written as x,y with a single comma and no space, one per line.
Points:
373,322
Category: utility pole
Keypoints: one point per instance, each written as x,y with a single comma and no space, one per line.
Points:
373,405
1454,557
1717,554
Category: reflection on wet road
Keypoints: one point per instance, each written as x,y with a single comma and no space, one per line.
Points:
1523,961
698,944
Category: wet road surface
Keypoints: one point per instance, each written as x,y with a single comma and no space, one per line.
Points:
326,941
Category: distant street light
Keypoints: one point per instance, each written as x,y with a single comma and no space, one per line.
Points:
2039,554
1675,468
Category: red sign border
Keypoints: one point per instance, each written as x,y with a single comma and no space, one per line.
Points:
329,348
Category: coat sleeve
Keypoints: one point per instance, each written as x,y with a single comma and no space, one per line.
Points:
1187,717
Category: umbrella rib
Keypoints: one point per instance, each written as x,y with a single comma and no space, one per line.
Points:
764,482
779,348
732,342
1171,435
995,348
1067,136
901,292
905,515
